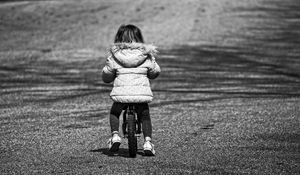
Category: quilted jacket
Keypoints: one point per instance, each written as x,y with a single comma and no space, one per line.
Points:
130,66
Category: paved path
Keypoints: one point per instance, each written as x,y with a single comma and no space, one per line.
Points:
229,106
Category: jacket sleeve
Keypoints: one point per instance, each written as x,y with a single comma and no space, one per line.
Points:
109,71
154,69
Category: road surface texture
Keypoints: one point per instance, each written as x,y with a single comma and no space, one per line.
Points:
227,100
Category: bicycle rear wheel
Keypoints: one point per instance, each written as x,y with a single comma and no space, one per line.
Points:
132,139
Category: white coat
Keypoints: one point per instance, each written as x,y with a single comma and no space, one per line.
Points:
130,66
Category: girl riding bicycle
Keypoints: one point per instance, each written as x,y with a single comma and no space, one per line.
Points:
130,65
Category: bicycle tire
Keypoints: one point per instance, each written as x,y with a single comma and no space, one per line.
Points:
132,139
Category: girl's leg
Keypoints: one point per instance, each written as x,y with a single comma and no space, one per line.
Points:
115,112
143,112
115,141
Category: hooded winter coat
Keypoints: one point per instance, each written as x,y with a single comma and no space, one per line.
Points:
130,66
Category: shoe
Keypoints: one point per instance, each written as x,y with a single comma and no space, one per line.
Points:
149,149
114,143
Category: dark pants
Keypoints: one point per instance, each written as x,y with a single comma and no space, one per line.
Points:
142,110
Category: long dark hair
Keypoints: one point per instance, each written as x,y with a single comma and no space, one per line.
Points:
128,34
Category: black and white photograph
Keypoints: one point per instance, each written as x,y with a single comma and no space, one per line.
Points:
154,87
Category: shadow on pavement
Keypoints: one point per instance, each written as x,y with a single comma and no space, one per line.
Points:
121,153
263,63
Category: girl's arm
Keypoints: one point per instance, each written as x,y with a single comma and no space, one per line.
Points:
109,72
154,69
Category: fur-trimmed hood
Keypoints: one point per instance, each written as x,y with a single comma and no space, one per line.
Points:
132,54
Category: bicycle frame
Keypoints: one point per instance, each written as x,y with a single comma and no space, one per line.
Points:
130,110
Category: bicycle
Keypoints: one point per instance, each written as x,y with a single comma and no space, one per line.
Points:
132,128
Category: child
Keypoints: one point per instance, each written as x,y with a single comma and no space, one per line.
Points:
130,65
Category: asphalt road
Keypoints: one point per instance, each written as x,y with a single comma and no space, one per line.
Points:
227,108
